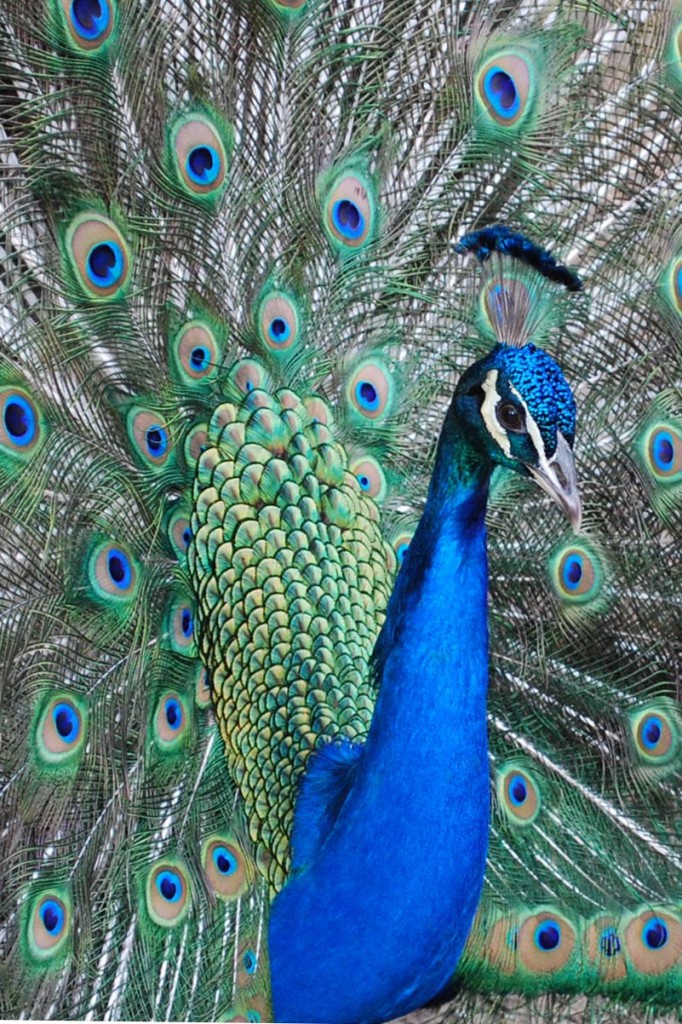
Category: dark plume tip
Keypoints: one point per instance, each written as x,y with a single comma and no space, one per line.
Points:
499,238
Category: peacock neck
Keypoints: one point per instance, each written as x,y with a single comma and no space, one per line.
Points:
390,895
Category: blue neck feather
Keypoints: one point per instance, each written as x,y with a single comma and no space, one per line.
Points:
389,856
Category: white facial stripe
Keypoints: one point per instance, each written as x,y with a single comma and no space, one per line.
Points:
490,403
534,434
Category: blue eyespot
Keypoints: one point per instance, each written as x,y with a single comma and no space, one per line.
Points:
61,731
519,795
187,536
203,164
199,155
97,250
105,264
19,418
656,735
501,92
90,18
224,869
53,917
171,722
348,219
401,551
200,358
548,935
655,933
195,351
173,712
278,321
49,925
577,574
150,436
187,622
279,330
518,790
112,574
250,962
224,860
156,439
66,722
370,477
169,885
120,571
663,450
609,943
167,894
253,1016
366,395
572,571
370,391
651,731
350,211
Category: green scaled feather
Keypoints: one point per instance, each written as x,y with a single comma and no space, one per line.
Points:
288,562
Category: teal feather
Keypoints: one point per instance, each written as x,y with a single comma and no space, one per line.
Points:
227,248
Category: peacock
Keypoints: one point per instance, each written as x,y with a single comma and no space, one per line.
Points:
340,488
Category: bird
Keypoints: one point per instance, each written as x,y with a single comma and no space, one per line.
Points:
341,473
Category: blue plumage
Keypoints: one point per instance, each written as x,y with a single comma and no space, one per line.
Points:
390,838
545,391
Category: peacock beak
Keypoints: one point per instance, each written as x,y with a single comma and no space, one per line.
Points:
557,477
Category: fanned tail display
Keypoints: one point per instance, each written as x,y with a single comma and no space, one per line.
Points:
249,251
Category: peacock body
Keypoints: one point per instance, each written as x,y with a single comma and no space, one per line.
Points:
251,716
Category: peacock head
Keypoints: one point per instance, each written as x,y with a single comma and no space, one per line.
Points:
520,413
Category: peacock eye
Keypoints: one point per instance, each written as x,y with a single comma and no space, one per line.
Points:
510,417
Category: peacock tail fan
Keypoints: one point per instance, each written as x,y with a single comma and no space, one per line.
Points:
231,324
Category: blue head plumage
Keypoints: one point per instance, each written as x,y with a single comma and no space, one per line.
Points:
520,413
539,380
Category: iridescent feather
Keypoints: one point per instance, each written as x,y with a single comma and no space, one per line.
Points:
232,321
